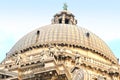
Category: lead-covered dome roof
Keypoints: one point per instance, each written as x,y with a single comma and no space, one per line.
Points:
64,30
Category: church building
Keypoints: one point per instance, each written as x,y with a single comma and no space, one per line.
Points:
60,51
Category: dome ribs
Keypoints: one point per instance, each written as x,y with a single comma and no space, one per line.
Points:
64,34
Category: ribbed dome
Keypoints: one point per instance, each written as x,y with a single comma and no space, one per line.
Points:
66,34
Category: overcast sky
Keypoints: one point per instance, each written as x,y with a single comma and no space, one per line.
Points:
18,17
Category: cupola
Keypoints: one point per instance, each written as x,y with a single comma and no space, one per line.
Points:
64,17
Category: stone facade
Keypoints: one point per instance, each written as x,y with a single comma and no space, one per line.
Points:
45,58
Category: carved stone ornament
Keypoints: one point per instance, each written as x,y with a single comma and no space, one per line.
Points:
100,78
78,75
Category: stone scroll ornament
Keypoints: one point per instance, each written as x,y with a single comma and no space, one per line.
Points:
18,59
78,75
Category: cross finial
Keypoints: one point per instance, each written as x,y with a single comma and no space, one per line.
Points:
65,6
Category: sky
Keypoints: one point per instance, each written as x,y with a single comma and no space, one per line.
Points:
19,17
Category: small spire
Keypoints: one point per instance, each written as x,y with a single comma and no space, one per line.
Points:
65,6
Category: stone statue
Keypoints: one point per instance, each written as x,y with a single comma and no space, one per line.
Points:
77,56
18,59
65,6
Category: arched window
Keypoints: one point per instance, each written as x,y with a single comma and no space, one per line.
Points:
66,21
60,21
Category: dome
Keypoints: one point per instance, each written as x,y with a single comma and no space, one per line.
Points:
61,50
66,34
64,30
